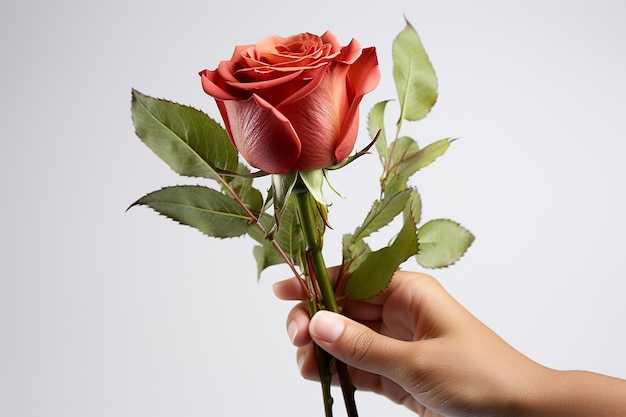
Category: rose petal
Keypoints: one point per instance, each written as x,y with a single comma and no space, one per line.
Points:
364,74
317,118
350,53
263,136
240,51
262,81
300,88
329,38
215,86
363,77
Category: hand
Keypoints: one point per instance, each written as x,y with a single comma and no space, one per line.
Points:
419,347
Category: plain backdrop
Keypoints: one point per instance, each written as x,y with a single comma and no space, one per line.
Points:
111,313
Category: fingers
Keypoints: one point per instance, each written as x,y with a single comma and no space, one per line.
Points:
358,345
298,325
293,288
307,362
289,289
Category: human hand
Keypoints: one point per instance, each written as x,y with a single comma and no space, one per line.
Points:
417,346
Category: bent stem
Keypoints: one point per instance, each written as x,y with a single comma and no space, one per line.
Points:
319,280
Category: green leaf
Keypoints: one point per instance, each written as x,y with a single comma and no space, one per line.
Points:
208,210
242,186
414,75
376,123
189,141
289,235
266,255
441,243
402,150
396,177
375,271
354,253
415,207
314,180
267,221
381,213
428,155
407,159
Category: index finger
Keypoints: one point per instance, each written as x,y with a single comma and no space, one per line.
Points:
289,289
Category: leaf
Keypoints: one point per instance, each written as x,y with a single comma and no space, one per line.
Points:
414,75
242,186
354,251
407,159
441,243
266,255
267,221
396,177
381,213
289,235
402,150
208,210
376,270
414,207
189,141
427,155
376,123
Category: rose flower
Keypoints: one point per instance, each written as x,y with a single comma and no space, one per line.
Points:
293,103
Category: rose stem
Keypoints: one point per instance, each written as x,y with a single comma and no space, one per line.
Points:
319,270
324,360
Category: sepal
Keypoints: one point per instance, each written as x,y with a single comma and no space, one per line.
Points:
314,181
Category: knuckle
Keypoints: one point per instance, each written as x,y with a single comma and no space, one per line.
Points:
362,346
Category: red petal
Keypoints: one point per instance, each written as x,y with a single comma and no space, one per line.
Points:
214,85
250,84
363,77
263,136
241,51
298,89
317,118
364,74
329,38
350,53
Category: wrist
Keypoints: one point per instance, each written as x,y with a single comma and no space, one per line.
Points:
557,393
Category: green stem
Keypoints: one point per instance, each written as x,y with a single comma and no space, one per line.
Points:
313,237
324,367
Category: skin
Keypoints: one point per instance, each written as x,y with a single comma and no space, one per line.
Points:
416,345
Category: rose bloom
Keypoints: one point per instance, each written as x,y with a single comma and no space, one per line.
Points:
293,103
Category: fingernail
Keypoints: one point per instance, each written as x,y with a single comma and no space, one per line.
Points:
292,331
326,326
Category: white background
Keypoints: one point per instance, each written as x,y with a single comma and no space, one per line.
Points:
111,313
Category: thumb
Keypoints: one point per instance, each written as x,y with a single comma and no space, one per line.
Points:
358,345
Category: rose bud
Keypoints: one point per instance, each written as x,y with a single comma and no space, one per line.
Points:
293,103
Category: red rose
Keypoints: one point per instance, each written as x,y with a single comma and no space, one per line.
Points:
292,103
